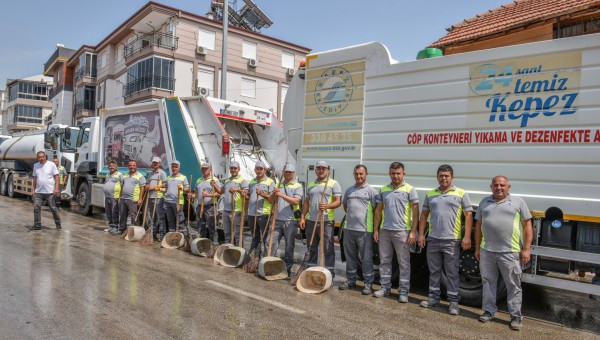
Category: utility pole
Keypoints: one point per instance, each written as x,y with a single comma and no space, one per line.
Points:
223,90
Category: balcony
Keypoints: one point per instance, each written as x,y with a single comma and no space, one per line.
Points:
151,43
85,74
148,87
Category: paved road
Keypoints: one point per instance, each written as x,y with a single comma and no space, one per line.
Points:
82,283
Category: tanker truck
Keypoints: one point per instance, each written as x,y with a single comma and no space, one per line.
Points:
18,155
529,112
191,130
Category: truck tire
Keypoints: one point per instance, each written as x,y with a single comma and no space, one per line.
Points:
84,200
10,187
3,185
470,285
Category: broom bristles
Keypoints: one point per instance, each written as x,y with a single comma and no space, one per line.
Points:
124,235
213,251
252,264
297,275
147,240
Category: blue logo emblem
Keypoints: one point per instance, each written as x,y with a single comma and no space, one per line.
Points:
334,91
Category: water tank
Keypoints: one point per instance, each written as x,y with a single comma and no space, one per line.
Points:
429,53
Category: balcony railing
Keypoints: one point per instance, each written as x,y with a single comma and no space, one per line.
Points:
85,105
151,39
85,71
142,83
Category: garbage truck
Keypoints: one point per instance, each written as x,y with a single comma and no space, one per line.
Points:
191,130
18,155
529,112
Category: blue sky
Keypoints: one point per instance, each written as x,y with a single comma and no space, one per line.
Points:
32,28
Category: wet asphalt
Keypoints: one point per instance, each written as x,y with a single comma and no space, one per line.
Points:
82,283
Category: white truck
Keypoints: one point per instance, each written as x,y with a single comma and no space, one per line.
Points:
191,130
530,112
18,155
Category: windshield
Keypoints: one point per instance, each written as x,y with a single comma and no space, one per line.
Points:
84,134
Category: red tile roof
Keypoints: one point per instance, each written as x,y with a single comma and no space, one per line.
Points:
511,15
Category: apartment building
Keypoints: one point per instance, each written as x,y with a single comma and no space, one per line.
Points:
162,51
2,109
60,93
27,106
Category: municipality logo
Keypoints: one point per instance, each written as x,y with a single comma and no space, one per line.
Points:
334,90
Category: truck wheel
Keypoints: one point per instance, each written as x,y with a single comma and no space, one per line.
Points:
470,284
3,185
10,187
84,200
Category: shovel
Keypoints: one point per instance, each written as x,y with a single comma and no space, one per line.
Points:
316,280
271,267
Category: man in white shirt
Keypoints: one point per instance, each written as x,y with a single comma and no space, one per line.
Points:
45,187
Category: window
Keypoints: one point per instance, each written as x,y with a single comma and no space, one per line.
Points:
84,134
248,50
24,90
153,72
120,53
85,98
206,77
104,60
58,76
248,88
206,39
87,66
28,114
287,60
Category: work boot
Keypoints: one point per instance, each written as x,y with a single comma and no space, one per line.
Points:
453,309
368,289
516,324
160,238
347,285
58,227
431,302
36,227
486,316
403,298
381,293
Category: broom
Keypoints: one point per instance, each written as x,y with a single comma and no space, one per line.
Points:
137,215
147,240
187,246
251,256
320,216
213,249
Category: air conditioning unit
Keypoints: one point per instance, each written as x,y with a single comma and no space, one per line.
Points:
252,62
201,50
203,91
290,72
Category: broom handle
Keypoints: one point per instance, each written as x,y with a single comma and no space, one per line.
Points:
232,218
145,210
275,206
255,216
322,232
177,213
242,220
137,214
189,205
201,200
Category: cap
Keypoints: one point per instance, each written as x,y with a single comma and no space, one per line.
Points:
234,164
175,162
322,164
156,159
289,167
205,165
260,164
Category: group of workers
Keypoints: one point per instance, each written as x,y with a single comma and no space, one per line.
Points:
388,216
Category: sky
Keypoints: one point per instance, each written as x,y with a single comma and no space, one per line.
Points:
32,28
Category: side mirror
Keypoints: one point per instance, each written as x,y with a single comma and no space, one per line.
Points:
68,133
47,138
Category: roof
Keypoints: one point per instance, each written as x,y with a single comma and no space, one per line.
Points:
511,15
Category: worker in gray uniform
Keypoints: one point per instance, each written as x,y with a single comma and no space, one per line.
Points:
397,215
501,247
359,202
112,193
236,185
259,206
445,206
289,195
175,187
312,205
132,193
155,179
207,199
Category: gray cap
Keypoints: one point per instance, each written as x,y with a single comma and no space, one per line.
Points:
205,165
260,164
234,164
289,167
175,162
156,159
322,164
